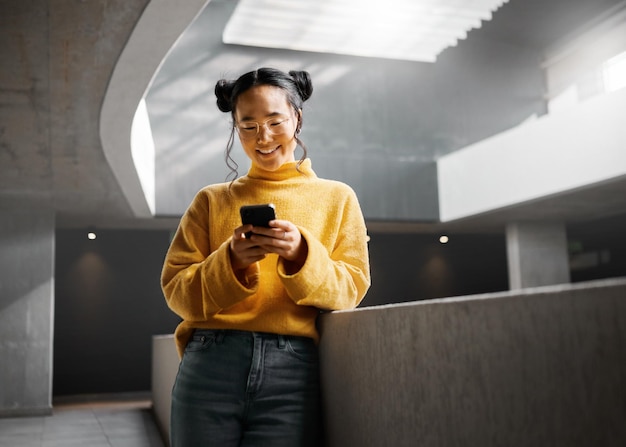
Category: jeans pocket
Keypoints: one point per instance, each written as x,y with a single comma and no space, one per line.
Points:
304,349
200,341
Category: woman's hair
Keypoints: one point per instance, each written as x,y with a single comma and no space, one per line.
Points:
296,84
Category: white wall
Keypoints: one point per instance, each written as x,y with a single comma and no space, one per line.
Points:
142,150
553,154
158,29
574,70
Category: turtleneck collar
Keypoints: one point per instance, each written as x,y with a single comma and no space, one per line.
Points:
285,172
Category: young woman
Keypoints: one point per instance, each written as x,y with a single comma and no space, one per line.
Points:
249,296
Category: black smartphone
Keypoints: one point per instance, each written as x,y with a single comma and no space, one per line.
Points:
257,215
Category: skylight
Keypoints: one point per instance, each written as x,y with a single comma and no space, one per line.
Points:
414,30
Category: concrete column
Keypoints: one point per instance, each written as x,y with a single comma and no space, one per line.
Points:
26,311
537,254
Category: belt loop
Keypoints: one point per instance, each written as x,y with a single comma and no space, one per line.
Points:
281,341
219,336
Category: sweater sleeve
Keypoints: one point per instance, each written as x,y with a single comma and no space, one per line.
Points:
335,278
196,281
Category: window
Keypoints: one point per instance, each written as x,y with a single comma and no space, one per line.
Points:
614,73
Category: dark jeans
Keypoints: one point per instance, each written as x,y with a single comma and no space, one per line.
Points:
237,388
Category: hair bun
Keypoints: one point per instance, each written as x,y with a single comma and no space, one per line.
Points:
303,81
224,92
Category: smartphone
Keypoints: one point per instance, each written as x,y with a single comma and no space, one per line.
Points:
257,215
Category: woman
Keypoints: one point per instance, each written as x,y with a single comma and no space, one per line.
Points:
248,339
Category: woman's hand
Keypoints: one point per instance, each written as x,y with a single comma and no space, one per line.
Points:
282,238
243,251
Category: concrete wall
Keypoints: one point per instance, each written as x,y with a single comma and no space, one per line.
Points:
164,369
61,54
26,311
540,367
537,254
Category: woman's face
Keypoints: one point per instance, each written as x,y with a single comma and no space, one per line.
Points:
265,107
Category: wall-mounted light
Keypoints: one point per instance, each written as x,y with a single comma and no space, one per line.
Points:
444,239
91,235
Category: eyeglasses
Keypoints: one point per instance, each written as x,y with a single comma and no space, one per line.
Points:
276,125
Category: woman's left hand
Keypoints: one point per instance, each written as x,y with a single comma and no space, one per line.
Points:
284,239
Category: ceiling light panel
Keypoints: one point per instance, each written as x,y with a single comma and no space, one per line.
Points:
415,30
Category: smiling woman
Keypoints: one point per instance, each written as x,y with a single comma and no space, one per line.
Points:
272,142
249,296
266,107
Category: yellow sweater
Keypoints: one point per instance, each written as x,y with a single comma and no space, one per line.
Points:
200,285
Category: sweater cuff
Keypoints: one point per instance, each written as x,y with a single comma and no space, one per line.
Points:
222,285
311,276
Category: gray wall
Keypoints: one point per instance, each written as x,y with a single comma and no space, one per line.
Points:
26,311
411,267
109,304
57,58
378,125
541,367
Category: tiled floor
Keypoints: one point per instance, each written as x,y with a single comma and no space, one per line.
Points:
96,424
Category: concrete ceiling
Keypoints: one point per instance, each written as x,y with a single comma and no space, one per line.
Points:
58,61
